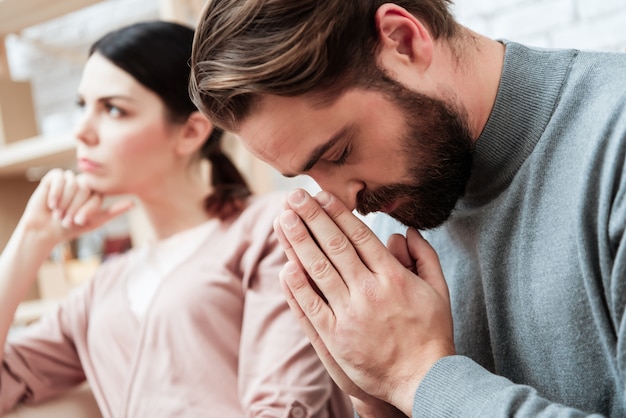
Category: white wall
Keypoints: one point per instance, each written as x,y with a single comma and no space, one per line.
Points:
583,24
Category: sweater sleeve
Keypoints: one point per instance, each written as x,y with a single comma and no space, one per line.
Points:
616,260
280,373
41,360
457,386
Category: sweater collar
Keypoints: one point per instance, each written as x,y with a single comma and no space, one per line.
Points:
529,89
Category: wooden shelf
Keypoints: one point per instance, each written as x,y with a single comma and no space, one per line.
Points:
36,153
16,15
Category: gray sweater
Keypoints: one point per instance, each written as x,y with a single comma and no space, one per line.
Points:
535,252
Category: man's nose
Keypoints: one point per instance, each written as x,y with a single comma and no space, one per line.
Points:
345,190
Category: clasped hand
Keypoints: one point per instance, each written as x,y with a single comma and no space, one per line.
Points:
377,326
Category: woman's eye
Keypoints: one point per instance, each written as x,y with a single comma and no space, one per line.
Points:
114,111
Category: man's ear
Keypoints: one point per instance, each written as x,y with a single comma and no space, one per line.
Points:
406,45
193,134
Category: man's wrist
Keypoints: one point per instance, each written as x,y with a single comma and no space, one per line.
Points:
376,409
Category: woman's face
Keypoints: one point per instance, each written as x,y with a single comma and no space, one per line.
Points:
125,142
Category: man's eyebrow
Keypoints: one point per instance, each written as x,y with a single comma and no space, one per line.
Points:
322,149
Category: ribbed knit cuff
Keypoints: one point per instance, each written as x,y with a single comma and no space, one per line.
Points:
456,387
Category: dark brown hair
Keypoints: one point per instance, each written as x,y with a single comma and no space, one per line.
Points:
156,54
246,48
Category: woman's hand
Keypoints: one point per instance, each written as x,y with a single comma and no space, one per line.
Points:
63,207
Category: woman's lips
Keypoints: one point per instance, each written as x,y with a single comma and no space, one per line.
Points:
87,166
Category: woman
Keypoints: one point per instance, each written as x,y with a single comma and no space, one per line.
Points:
193,324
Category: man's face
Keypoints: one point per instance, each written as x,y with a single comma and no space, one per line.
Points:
398,152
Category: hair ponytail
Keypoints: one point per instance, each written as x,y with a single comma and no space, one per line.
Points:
230,189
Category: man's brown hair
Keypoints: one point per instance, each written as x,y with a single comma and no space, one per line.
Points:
246,48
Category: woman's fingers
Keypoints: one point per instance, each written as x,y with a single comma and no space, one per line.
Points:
93,213
75,205
68,193
53,183
81,193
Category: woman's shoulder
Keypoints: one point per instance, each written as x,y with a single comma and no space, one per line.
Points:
255,222
264,206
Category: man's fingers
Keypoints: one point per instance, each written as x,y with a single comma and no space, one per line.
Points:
426,261
335,244
284,242
289,276
311,309
397,246
370,251
312,259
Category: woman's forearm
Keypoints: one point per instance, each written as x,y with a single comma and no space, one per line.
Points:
20,261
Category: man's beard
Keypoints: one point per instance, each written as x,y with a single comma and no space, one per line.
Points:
439,150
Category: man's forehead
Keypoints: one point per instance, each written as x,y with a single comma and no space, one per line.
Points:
271,144
260,135
290,133
274,124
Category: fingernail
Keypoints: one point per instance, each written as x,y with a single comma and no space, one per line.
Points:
323,198
56,215
79,220
290,267
66,222
288,219
296,197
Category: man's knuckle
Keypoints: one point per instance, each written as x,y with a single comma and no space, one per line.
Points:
300,237
337,244
321,268
312,214
313,306
360,234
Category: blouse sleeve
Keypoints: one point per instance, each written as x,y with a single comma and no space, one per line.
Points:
280,374
41,360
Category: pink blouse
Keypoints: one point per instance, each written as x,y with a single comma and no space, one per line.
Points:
217,339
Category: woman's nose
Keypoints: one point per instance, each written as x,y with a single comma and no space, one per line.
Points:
84,131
